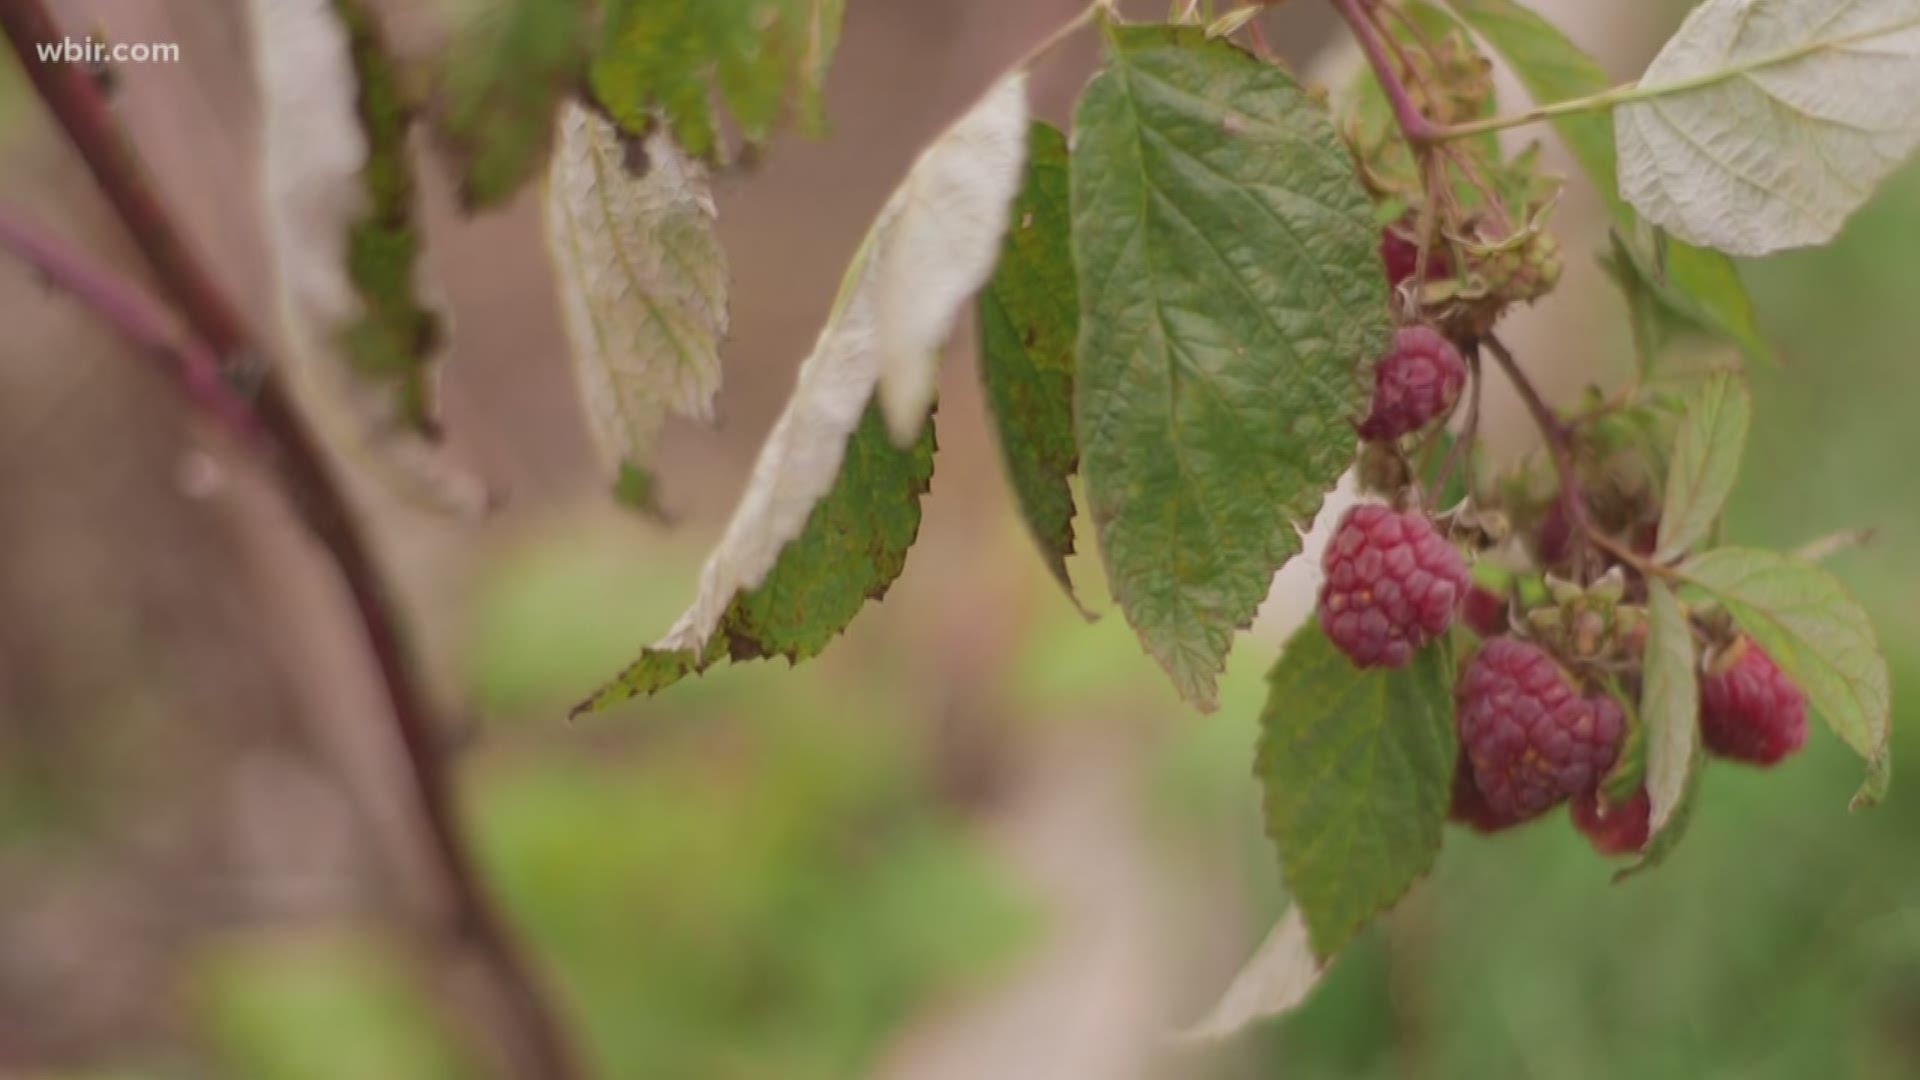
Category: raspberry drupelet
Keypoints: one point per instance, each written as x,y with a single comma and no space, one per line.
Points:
1416,383
1393,584
1750,711
1532,738
1614,830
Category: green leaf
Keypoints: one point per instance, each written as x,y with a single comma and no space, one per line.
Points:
1232,303
397,336
506,69
1704,287
1669,707
1819,635
763,58
1681,287
1764,124
1711,296
1706,462
1029,321
1357,767
852,548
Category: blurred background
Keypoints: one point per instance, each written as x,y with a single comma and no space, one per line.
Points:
977,838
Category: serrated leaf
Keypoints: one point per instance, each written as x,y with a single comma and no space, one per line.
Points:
1819,635
851,550
1029,321
1768,122
643,285
339,199
857,539
507,65
1669,706
1689,288
1706,463
1712,296
1704,288
762,58
1232,303
949,220
1357,767
1274,982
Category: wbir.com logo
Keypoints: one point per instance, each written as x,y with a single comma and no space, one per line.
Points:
96,53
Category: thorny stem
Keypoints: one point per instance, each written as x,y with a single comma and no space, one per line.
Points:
76,102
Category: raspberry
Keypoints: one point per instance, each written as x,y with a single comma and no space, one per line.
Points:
1415,384
1616,830
1751,711
1400,251
1393,584
1484,612
1469,807
1532,739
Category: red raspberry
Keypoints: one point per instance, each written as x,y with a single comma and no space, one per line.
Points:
1751,711
1393,584
1616,830
1484,612
1400,252
1415,384
1532,739
1469,807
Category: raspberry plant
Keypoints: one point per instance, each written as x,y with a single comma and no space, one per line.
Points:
1220,293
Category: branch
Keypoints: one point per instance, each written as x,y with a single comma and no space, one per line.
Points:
75,101
135,315
1419,131
1559,440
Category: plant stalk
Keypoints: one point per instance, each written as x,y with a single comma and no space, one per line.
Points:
71,95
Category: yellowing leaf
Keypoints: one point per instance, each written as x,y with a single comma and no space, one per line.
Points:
803,455
643,282
943,231
339,202
1274,982
1766,123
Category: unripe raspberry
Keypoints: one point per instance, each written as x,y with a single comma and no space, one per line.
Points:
1532,739
1750,711
1392,585
1469,807
1615,830
1400,252
1414,384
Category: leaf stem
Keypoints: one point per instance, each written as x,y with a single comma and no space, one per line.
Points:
1061,34
471,920
1628,93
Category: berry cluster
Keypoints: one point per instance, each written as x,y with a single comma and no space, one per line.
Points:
1557,646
